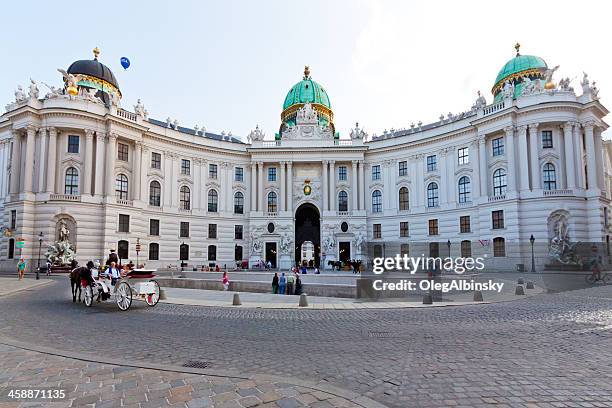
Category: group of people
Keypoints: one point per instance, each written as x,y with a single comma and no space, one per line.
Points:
287,285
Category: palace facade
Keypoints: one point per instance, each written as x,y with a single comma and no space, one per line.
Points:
531,163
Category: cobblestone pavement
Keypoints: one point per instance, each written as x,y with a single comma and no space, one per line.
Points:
550,350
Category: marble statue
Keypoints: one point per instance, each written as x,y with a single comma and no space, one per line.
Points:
286,243
33,93
175,124
256,135
359,242
140,110
306,114
55,92
529,86
549,73
196,129
168,122
561,249
61,252
115,101
203,130
69,79
480,102
20,95
255,244
586,85
594,91
64,232
508,89
358,133
564,85
329,244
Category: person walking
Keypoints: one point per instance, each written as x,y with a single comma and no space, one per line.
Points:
275,283
48,268
290,283
21,267
226,282
282,282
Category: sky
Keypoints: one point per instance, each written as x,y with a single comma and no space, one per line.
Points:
228,65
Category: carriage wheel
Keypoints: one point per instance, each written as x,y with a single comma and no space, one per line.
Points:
123,295
153,298
88,296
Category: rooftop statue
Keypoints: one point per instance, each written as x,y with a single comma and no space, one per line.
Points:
55,92
33,93
481,102
140,110
508,89
306,115
20,95
548,83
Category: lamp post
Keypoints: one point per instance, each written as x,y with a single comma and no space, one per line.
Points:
137,252
448,244
40,240
531,241
181,254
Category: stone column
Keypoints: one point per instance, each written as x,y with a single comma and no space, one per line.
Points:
332,185
253,186
88,164
523,155
361,192
3,148
29,159
354,188
100,160
111,142
324,185
290,186
475,180
174,190
581,180
282,199
511,179
260,188
137,169
167,169
570,165
42,155
589,141
197,182
145,164
534,162
15,162
599,159
482,164
452,189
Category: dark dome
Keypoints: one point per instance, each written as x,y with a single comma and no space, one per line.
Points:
95,69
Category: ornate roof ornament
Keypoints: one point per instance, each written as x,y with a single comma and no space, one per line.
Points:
517,46
306,72
96,53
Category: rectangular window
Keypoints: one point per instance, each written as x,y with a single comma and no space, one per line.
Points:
122,151
403,229
466,249
404,250
124,223
498,146
497,218
463,155
547,140
212,231
432,162
403,168
73,144
184,231
185,167
499,247
154,252
212,171
376,231
271,173
342,173
155,160
376,172
237,231
13,219
154,227
464,224
239,174
433,227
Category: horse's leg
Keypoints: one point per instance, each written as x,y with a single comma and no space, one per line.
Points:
73,290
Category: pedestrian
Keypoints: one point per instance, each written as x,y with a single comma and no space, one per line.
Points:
290,283
298,285
282,282
48,268
21,267
316,271
225,281
275,283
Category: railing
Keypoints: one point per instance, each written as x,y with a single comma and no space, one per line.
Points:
122,113
497,198
272,214
271,143
487,110
465,204
65,197
128,203
561,192
338,142
185,210
344,213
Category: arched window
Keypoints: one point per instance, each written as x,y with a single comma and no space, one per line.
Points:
499,182
153,252
72,181
464,189
238,253
185,198
342,201
121,187
238,203
466,249
184,252
213,201
404,199
499,247
272,202
212,252
432,195
123,250
550,177
376,201
155,193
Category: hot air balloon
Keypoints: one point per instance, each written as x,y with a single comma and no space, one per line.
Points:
125,63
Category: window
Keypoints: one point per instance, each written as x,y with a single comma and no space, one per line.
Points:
377,251
376,201
464,224
342,201
547,140
376,172
342,173
432,163
73,144
212,171
238,203
213,200
238,232
433,227
11,248
72,181
122,151
124,223
434,249
239,174
154,227
123,250
238,253
184,252
404,199
497,219
432,195
499,247
499,182
185,198
185,167
404,250
377,231
403,229
272,202
153,252
184,229
121,187
155,193
212,231
463,156
155,160
13,219
464,190
550,177
498,146
271,173
212,252
403,168
466,249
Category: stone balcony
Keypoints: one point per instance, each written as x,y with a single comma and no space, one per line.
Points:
65,197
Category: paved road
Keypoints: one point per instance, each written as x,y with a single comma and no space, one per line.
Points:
548,350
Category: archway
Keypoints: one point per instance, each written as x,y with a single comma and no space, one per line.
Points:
307,229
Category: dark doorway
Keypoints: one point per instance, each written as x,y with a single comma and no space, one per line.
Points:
271,253
344,252
308,228
123,250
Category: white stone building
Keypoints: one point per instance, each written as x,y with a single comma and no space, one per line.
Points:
484,180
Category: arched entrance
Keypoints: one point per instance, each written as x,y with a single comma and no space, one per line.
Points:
307,230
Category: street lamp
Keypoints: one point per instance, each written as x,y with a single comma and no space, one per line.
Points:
40,240
531,241
448,244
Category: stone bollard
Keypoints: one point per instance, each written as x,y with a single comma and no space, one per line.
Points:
521,281
162,294
519,290
427,299
478,296
529,285
303,300
236,301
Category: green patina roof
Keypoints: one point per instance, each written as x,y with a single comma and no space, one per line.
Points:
305,91
518,64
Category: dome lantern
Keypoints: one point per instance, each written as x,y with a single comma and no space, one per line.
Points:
530,66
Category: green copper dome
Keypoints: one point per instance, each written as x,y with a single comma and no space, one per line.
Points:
306,91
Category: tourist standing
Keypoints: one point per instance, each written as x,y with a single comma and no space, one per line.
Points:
282,282
21,267
290,282
113,272
225,281
48,268
298,284
275,283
